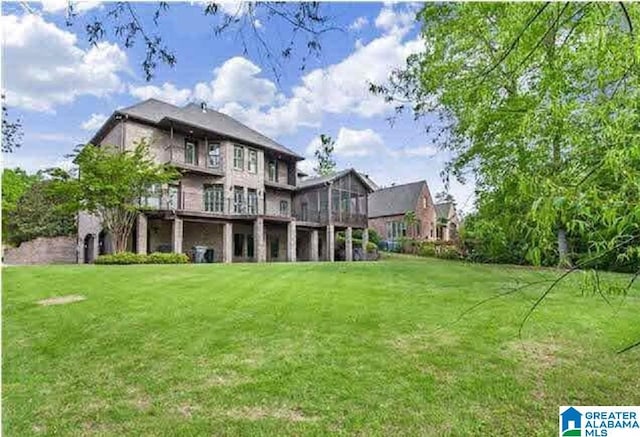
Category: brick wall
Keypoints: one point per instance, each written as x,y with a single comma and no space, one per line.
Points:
54,250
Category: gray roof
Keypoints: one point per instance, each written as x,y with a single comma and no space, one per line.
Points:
156,111
320,180
395,200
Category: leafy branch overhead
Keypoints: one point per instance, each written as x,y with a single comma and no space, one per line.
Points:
324,154
133,23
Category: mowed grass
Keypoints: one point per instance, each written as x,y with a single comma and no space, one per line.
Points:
308,349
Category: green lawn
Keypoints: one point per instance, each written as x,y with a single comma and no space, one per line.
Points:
307,348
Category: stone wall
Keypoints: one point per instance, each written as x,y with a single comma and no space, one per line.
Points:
53,250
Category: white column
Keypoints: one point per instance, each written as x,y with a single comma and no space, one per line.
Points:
141,234
227,242
291,241
176,235
348,244
365,241
258,240
330,246
313,245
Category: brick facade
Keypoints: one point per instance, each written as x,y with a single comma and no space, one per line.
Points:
53,250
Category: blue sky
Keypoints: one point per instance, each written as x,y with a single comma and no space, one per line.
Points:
62,88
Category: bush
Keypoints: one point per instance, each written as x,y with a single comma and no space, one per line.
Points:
122,258
135,258
371,247
374,237
427,249
449,252
167,258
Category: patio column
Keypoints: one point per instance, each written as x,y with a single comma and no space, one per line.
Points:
227,242
348,244
313,245
176,235
141,234
365,241
258,240
330,246
291,241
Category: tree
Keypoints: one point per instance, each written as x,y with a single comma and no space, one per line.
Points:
134,23
444,196
110,184
11,130
37,214
15,183
324,154
411,221
535,99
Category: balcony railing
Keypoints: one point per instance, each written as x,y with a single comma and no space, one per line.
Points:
207,164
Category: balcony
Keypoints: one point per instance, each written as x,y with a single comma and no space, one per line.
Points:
201,204
200,163
279,185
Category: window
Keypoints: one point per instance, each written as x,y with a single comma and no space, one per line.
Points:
172,201
250,252
214,155
213,198
190,152
252,164
238,157
238,243
238,200
424,202
274,247
252,202
284,207
152,199
304,211
273,171
396,230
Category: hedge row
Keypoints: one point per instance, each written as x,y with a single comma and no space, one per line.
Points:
137,258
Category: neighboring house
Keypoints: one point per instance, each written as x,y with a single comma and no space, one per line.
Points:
239,195
446,221
388,208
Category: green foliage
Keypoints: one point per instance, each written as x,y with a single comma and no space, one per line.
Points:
540,103
15,182
110,184
136,258
324,154
427,249
122,258
371,247
37,214
374,237
167,258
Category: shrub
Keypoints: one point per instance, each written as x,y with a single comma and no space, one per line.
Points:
371,247
449,252
122,258
167,258
427,249
135,258
374,237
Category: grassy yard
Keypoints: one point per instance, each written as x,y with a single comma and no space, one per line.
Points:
291,349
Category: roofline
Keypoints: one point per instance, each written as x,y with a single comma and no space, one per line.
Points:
344,172
402,185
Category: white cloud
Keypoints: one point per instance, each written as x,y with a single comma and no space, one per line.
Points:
233,8
54,6
94,122
167,92
350,142
43,67
394,19
416,152
237,81
359,23
258,24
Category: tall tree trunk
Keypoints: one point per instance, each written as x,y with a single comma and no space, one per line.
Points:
563,249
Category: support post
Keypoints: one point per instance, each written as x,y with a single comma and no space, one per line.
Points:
227,242
348,244
141,234
176,235
330,246
291,241
258,240
365,241
313,245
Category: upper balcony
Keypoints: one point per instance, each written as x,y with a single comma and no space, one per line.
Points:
191,159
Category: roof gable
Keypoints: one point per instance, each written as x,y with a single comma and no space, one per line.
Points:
320,180
395,200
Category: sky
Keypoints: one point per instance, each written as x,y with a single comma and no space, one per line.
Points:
63,88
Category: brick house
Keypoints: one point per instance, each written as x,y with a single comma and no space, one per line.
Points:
388,207
240,195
